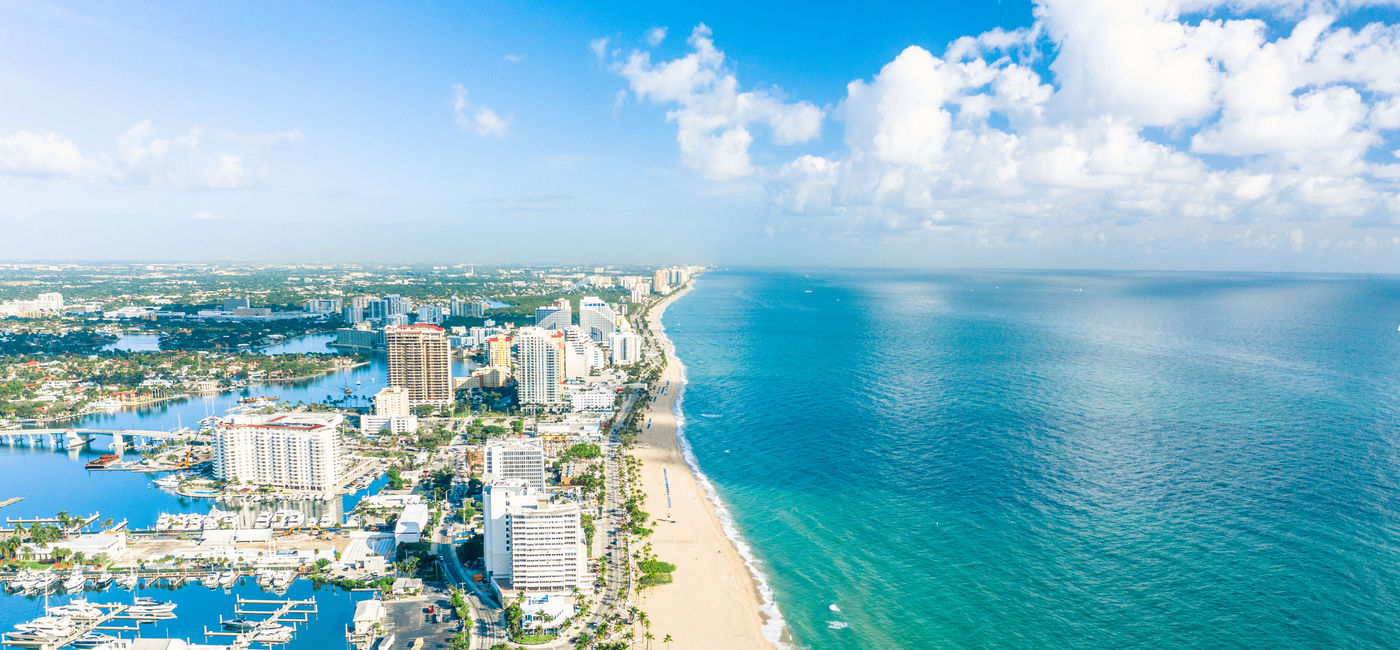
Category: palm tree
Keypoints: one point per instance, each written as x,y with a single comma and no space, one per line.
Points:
667,641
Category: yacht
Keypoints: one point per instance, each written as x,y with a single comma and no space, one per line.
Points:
78,608
41,581
103,579
50,626
75,580
211,580
149,608
128,580
281,579
272,634
228,578
94,640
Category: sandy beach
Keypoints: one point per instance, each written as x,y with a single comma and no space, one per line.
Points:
714,601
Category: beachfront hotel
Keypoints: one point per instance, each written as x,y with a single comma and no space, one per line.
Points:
515,459
498,351
555,316
297,451
392,411
541,365
597,319
532,545
420,361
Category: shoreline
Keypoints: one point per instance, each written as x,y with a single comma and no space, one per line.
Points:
719,598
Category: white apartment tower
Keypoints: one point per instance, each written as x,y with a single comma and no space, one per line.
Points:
541,355
420,361
625,347
532,545
515,459
298,451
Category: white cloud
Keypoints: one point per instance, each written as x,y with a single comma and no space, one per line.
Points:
205,216
655,35
514,58
484,120
41,155
1158,121
711,114
187,161
599,48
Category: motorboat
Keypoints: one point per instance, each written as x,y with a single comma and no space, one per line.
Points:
281,580
128,581
228,578
75,580
149,608
94,640
271,633
211,580
77,608
50,626
241,624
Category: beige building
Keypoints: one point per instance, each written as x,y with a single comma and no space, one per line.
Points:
392,401
300,451
420,362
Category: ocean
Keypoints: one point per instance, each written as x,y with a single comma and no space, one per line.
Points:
1047,459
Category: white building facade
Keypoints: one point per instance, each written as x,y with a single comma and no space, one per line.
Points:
298,451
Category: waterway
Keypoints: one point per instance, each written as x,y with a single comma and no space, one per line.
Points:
51,480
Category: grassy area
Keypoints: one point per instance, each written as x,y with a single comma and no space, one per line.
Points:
532,639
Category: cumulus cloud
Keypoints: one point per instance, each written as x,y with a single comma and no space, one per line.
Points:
655,35
196,160
188,161
713,117
483,120
1239,120
206,216
41,155
514,58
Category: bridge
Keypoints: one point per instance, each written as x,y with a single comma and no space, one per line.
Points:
72,437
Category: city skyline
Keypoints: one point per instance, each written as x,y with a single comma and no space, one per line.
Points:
1252,135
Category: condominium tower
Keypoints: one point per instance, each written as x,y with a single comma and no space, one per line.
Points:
541,365
421,362
515,459
597,319
299,451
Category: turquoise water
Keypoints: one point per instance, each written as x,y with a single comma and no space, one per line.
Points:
999,459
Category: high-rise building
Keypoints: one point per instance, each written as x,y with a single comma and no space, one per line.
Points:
458,308
299,451
597,319
660,281
478,309
421,362
430,314
394,304
353,314
541,354
640,291
498,351
555,316
323,305
515,458
625,348
392,400
232,304
532,545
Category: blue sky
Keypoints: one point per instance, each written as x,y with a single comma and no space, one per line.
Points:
1258,134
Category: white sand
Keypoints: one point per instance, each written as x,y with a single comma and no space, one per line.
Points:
713,602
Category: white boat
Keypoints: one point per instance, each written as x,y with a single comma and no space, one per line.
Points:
41,581
281,579
128,581
94,640
75,580
51,626
78,608
211,580
151,605
271,633
103,579
227,579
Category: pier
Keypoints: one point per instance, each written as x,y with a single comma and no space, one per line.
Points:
78,437
110,612
286,611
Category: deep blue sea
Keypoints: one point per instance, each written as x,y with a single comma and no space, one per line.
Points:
1032,459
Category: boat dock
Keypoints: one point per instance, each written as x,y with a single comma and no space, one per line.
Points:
289,611
110,612
10,501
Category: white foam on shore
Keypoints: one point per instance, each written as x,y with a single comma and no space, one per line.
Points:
774,625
